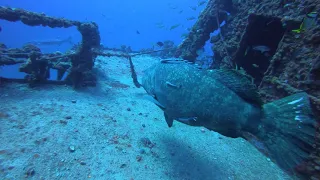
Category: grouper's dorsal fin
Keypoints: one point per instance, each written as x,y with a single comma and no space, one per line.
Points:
239,83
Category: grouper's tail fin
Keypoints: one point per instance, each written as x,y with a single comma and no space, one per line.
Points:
288,130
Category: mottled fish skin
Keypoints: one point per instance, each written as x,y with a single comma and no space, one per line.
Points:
200,96
286,127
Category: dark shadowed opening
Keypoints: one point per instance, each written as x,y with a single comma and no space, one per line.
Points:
259,44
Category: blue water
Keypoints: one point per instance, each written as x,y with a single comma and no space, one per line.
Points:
118,21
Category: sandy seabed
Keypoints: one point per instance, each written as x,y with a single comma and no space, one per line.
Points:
109,132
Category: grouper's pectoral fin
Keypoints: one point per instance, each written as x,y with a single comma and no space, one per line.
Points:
168,120
162,107
155,101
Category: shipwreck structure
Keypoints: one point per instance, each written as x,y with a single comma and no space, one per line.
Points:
78,62
274,42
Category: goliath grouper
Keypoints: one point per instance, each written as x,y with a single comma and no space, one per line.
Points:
226,102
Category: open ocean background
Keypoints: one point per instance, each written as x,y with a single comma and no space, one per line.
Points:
118,21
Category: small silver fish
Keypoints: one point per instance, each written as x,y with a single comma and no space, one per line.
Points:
174,26
52,42
261,48
172,60
193,8
200,3
255,65
184,35
191,18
